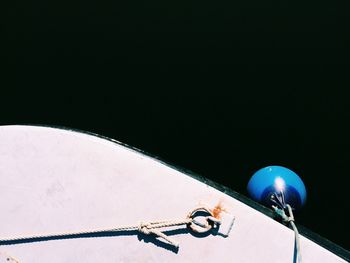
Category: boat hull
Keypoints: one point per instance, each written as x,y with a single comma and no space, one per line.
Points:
57,180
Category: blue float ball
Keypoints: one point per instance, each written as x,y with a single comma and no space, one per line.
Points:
274,179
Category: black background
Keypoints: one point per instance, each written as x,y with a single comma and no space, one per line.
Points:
222,88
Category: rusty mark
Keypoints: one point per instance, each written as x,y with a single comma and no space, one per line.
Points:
217,210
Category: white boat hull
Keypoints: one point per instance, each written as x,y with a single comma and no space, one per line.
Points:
56,180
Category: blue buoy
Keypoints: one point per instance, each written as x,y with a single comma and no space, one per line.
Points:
277,185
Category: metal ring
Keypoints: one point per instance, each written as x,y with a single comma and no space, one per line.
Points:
200,228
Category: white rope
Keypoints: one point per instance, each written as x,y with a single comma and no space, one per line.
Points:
290,219
146,228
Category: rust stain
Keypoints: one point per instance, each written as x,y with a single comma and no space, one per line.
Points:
217,210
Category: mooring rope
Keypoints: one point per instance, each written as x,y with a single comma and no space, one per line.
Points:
290,219
146,228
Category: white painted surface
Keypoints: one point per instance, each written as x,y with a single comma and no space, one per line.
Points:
55,180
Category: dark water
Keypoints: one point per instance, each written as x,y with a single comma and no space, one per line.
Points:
220,88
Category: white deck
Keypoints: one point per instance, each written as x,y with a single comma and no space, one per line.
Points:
54,180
